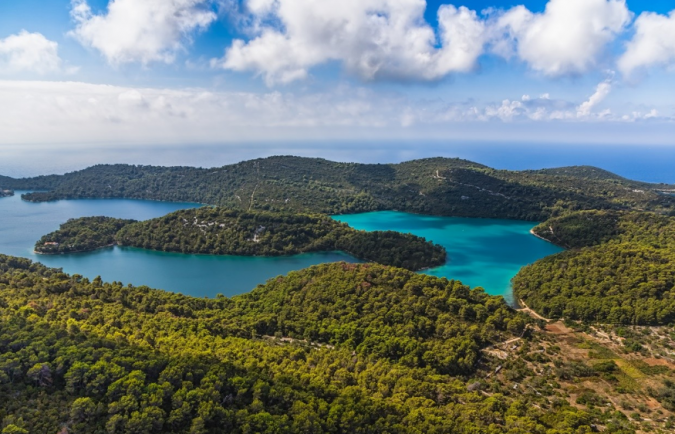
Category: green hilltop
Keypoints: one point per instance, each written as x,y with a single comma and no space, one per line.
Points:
217,231
436,186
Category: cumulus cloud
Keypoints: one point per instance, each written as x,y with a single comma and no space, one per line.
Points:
652,45
29,52
600,94
374,39
142,31
567,38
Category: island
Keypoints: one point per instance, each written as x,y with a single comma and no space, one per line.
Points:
367,348
6,193
218,231
433,186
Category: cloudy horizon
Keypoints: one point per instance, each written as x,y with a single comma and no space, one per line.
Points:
225,71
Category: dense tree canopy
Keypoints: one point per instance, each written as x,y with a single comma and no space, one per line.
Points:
226,232
218,231
436,186
337,348
81,235
381,351
626,275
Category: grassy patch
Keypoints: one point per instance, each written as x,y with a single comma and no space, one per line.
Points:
629,369
597,351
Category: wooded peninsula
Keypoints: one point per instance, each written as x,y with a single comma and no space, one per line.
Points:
216,231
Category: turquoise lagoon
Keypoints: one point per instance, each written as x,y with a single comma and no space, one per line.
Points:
481,252
485,253
23,223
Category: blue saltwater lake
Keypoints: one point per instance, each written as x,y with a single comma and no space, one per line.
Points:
485,253
23,223
481,252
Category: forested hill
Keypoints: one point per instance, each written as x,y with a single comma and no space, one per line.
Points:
217,231
82,235
590,228
358,349
437,186
589,172
621,270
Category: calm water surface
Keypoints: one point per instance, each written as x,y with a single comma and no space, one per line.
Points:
23,223
481,252
485,253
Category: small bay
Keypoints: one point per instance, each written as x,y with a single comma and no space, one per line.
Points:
481,252
23,223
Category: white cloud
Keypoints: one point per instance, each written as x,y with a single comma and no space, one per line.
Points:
29,52
142,31
373,39
567,38
600,94
652,45
73,112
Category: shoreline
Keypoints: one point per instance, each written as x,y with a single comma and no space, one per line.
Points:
544,239
75,252
105,198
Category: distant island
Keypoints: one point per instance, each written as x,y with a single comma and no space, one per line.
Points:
435,186
6,193
217,231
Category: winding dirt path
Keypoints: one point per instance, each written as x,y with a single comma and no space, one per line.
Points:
526,309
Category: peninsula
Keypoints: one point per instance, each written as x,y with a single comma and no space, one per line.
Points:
217,231
620,269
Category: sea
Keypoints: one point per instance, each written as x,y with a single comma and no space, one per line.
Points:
649,163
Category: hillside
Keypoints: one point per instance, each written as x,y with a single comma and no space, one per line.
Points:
436,186
81,235
621,270
218,231
587,172
381,350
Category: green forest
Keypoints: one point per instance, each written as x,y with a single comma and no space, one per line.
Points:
435,186
337,348
217,231
347,348
621,269
81,235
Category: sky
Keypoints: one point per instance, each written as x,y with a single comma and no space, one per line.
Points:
179,72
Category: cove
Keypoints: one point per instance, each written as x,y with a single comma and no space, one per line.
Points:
481,252
23,223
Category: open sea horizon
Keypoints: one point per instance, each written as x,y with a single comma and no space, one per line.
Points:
648,163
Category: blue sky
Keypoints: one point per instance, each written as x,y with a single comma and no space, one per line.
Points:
129,71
